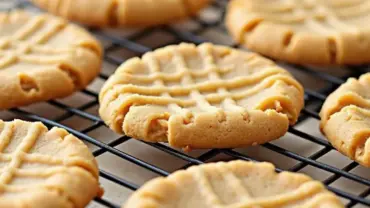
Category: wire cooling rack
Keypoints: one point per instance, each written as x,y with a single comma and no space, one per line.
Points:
126,163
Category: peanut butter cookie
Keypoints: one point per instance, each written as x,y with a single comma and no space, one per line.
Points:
234,184
345,119
43,57
43,169
303,31
204,96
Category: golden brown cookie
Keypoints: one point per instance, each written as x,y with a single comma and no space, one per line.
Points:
43,57
303,31
204,96
43,169
345,119
234,184
102,13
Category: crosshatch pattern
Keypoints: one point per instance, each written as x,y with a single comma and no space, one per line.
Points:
125,163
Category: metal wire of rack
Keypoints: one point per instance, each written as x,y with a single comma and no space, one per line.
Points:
313,100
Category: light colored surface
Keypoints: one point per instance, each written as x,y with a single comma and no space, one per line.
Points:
138,175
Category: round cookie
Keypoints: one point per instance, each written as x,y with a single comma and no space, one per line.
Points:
102,13
204,96
303,31
42,169
345,119
233,184
43,57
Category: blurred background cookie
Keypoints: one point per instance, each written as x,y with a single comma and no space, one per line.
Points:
102,13
303,31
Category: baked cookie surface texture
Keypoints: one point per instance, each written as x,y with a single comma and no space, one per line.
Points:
345,119
204,96
103,13
303,31
236,184
43,57
43,169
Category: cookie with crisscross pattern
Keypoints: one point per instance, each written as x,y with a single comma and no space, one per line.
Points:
102,13
345,119
204,96
43,57
236,184
43,169
303,31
